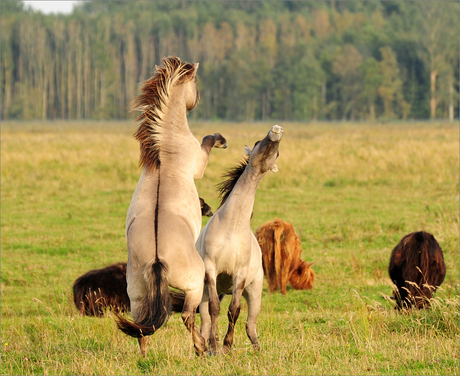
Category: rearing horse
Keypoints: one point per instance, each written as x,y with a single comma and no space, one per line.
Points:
164,217
230,251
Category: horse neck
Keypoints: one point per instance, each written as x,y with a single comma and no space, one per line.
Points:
175,116
176,135
239,205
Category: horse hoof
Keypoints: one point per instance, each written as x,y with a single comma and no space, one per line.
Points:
213,353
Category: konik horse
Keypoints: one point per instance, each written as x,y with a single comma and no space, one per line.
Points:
230,251
164,217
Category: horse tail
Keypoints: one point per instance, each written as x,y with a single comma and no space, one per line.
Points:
277,234
155,308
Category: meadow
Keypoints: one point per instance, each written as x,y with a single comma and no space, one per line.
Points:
351,191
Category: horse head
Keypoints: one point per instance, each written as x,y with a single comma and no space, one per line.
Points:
174,78
265,152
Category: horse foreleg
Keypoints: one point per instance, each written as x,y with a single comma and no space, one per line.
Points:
192,300
210,141
233,313
253,295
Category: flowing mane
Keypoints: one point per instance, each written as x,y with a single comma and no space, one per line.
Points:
233,174
153,103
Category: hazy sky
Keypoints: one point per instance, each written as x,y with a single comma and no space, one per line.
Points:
51,6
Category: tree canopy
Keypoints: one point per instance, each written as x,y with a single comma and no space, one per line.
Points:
259,60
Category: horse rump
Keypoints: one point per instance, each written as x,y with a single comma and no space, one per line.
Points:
155,308
281,251
417,268
101,289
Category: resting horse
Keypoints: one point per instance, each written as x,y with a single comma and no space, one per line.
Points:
164,218
230,251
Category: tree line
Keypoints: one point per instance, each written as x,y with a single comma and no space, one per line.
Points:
259,60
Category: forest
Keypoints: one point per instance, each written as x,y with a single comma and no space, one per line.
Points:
259,60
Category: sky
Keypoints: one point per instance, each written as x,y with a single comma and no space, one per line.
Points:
51,6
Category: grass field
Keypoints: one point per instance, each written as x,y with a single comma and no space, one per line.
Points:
351,192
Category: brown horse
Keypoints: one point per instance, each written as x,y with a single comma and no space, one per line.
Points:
281,253
417,268
101,289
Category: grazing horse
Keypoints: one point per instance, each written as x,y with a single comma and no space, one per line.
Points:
417,268
164,219
231,254
281,261
101,289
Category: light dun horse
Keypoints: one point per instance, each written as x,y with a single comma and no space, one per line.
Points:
229,249
164,217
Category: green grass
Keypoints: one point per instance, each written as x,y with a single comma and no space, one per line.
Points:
351,192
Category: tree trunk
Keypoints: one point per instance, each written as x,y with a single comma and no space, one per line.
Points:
451,99
433,101
372,112
315,108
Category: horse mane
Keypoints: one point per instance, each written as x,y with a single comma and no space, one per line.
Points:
232,175
152,104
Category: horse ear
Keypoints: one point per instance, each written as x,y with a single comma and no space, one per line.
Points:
196,66
274,168
247,150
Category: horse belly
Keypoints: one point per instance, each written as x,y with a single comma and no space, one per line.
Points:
179,202
224,283
176,246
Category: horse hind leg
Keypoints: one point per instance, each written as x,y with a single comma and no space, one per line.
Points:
192,300
214,310
253,296
233,313
143,345
143,340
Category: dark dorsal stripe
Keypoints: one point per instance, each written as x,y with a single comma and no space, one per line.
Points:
232,175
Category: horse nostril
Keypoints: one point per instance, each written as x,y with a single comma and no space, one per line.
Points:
277,129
